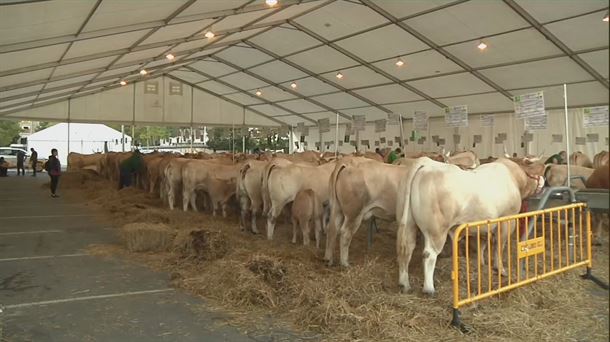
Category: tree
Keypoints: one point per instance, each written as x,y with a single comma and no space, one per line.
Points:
43,124
9,132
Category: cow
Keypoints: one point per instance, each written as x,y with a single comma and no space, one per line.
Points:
488,160
436,197
306,210
600,159
360,189
599,179
217,180
78,161
580,159
282,180
465,159
249,192
557,175
172,180
154,169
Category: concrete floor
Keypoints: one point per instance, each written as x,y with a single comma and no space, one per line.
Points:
52,291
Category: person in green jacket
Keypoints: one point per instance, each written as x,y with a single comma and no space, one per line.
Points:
130,167
559,158
394,155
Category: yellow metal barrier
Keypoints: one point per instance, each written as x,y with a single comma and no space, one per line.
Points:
535,245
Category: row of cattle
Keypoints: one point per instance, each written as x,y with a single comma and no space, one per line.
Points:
432,192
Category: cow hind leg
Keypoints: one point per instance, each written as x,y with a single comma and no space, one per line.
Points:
271,221
433,246
347,231
306,229
318,230
253,213
331,237
295,224
405,244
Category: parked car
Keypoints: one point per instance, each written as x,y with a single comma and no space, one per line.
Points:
10,156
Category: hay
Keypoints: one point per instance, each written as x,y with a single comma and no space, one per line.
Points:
147,237
254,277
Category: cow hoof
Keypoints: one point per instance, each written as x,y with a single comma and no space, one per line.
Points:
596,243
428,292
405,289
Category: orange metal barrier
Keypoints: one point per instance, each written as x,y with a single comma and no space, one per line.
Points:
559,239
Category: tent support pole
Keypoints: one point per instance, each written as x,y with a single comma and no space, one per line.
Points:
402,134
565,107
133,117
123,138
192,134
69,114
290,140
337,136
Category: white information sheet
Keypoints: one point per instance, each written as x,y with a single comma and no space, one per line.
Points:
420,121
529,105
456,116
595,116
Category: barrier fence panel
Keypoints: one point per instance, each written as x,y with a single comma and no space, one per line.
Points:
495,256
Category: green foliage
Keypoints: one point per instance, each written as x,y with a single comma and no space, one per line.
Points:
43,125
9,132
220,139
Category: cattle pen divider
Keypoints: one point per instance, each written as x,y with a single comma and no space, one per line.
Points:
536,245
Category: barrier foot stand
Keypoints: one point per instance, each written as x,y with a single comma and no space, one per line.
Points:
595,279
457,323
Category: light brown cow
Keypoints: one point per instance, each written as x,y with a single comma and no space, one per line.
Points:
436,197
599,179
249,192
557,175
360,188
282,180
465,160
601,159
217,180
172,181
307,210
78,161
580,159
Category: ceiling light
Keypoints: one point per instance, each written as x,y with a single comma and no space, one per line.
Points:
293,85
259,92
143,72
209,35
271,3
399,62
482,46
123,83
170,57
606,17
339,75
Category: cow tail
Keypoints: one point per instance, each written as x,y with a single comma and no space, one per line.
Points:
405,188
265,187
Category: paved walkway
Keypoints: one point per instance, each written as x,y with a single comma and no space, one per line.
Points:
51,290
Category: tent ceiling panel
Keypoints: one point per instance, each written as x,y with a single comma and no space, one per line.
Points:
188,76
275,94
451,85
301,106
27,22
339,19
469,20
278,72
420,64
356,77
104,44
82,66
407,109
243,99
598,60
15,92
284,41
213,68
56,111
111,12
216,87
551,71
239,20
401,9
270,110
549,10
580,94
395,42
244,56
291,11
25,58
200,43
235,37
388,94
340,100
325,115
207,6
243,81
12,80
96,85
206,52
371,113
292,120
333,59
120,71
531,44
138,55
67,81
311,86
482,103
592,32
254,119
182,30
21,101
58,92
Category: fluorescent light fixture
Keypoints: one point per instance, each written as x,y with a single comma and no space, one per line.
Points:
170,57
339,75
143,72
259,92
209,35
606,17
271,3
123,83
399,62
482,46
293,85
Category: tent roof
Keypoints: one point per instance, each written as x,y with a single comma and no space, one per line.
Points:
51,51
78,131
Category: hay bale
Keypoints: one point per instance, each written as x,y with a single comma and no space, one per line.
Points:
270,269
201,244
147,237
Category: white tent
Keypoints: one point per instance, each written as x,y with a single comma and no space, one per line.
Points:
82,138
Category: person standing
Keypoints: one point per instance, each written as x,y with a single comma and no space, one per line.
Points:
3,167
129,168
20,163
53,167
33,161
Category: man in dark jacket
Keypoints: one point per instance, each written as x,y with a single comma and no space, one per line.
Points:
33,161
3,167
129,168
20,163
53,167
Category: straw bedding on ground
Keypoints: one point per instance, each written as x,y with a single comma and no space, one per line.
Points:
251,277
